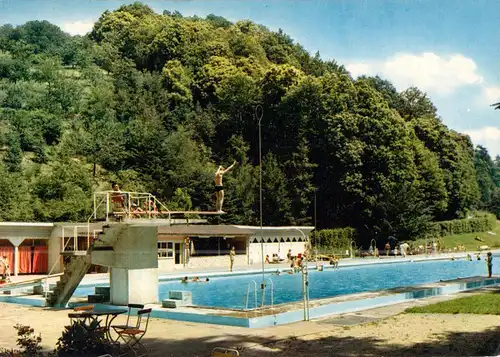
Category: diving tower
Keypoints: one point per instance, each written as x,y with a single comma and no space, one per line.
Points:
129,251
126,244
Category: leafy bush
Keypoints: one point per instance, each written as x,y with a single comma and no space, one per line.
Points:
82,340
27,341
481,223
333,239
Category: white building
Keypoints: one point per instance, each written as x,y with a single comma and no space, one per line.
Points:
35,248
201,246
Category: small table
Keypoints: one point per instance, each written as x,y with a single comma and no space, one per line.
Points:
110,314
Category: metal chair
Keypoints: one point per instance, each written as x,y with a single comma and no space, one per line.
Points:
132,336
224,352
128,324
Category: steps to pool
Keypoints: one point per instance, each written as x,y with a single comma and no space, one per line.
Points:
102,294
178,298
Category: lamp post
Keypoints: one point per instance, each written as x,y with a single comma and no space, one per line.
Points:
259,112
319,242
305,282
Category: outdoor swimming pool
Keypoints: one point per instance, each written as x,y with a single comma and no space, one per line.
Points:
231,291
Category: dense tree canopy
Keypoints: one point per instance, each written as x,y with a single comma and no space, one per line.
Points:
157,101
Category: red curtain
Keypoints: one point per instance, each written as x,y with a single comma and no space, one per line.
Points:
24,259
9,253
41,259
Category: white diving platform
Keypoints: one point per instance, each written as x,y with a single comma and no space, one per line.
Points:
163,213
137,205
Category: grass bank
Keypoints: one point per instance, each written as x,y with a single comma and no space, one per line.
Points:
485,304
468,239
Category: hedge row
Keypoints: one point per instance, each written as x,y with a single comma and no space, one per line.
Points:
482,223
338,238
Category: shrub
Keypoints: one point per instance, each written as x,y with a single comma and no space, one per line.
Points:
27,341
81,339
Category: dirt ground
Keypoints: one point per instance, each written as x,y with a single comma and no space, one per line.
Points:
402,335
374,332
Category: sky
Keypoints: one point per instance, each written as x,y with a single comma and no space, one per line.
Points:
448,49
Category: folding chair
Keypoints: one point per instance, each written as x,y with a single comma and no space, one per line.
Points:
132,336
224,352
128,324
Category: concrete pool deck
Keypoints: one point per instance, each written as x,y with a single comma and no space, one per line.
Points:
293,312
374,332
289,312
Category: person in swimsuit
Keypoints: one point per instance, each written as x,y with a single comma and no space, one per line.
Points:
489,262
232,255
219,190
6,272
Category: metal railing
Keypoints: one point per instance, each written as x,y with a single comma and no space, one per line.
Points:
272,293
64,242
248,293
130,205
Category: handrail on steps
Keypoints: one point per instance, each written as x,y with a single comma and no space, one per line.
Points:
65,244
248,293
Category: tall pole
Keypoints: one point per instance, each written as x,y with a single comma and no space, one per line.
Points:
305,283
259,117
314,209
318,243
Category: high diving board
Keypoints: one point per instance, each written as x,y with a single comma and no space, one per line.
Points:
196,212
166,213
26,283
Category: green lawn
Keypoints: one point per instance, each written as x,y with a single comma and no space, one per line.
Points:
493,241
488,304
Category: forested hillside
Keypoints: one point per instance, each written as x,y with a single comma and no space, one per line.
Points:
157,101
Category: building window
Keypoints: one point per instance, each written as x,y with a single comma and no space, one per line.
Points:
218,246
165,250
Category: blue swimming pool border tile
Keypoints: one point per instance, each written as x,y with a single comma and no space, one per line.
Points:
22,300
295,315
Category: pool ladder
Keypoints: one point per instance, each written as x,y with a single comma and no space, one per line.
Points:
272,292
248,293
255,293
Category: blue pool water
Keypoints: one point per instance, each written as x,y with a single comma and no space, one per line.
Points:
231,291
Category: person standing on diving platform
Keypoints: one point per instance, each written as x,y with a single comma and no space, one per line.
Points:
219,190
